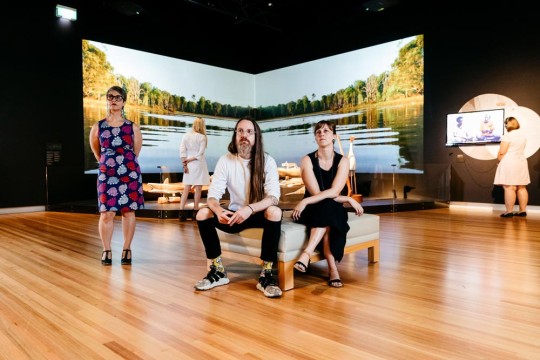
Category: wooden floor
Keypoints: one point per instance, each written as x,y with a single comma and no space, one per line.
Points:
451,284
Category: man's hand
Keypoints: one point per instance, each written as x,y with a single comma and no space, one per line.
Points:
225,216
240,215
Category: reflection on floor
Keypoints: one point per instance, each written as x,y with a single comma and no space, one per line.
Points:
172,210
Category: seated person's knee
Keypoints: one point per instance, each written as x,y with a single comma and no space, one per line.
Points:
273,213
204,214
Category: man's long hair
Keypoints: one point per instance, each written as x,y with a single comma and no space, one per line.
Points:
256,164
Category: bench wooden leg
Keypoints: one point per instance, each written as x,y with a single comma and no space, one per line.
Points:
373,253
286,275
372,247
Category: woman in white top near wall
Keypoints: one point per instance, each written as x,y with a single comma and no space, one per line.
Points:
192,153
513,170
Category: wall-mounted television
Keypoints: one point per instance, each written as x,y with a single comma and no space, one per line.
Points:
475,127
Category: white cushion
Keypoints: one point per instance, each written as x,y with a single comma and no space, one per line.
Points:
294,237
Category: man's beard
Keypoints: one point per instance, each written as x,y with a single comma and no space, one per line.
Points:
244,149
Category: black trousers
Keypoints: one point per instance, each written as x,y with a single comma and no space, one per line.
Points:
270,238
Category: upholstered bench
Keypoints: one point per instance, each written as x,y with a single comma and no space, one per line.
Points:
364,234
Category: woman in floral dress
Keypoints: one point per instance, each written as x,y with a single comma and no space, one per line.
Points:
116,143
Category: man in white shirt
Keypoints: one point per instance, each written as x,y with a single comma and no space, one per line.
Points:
252,180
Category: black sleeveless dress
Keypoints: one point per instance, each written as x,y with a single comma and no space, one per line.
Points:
327,212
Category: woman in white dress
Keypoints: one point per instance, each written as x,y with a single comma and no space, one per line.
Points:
192,154
513,170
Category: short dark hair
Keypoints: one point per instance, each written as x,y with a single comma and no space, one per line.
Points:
510,128
331,125
120,90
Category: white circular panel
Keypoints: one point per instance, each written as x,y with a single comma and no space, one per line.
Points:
528,120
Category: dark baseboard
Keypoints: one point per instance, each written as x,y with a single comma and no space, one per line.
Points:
172,210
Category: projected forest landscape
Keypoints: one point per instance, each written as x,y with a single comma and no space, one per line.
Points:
379,113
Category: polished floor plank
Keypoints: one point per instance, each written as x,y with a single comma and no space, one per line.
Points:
451,284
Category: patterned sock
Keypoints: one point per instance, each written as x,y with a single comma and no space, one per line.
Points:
218,263
267,265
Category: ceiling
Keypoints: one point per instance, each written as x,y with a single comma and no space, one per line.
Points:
246,35
272,16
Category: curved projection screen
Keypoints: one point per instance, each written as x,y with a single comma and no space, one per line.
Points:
375,95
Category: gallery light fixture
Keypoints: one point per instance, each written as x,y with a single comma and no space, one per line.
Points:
66,12
379,5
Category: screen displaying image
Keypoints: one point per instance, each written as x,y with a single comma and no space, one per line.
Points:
475,127
375,96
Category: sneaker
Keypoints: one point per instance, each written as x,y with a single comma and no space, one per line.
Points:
212,279
268,285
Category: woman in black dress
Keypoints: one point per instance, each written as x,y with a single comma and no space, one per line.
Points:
324,173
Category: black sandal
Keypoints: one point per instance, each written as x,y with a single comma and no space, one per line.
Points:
300,266
106,257
126,257
335,283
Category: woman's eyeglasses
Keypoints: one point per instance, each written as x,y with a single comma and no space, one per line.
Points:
248,132
111,97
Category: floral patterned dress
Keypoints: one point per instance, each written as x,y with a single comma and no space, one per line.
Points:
119,182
